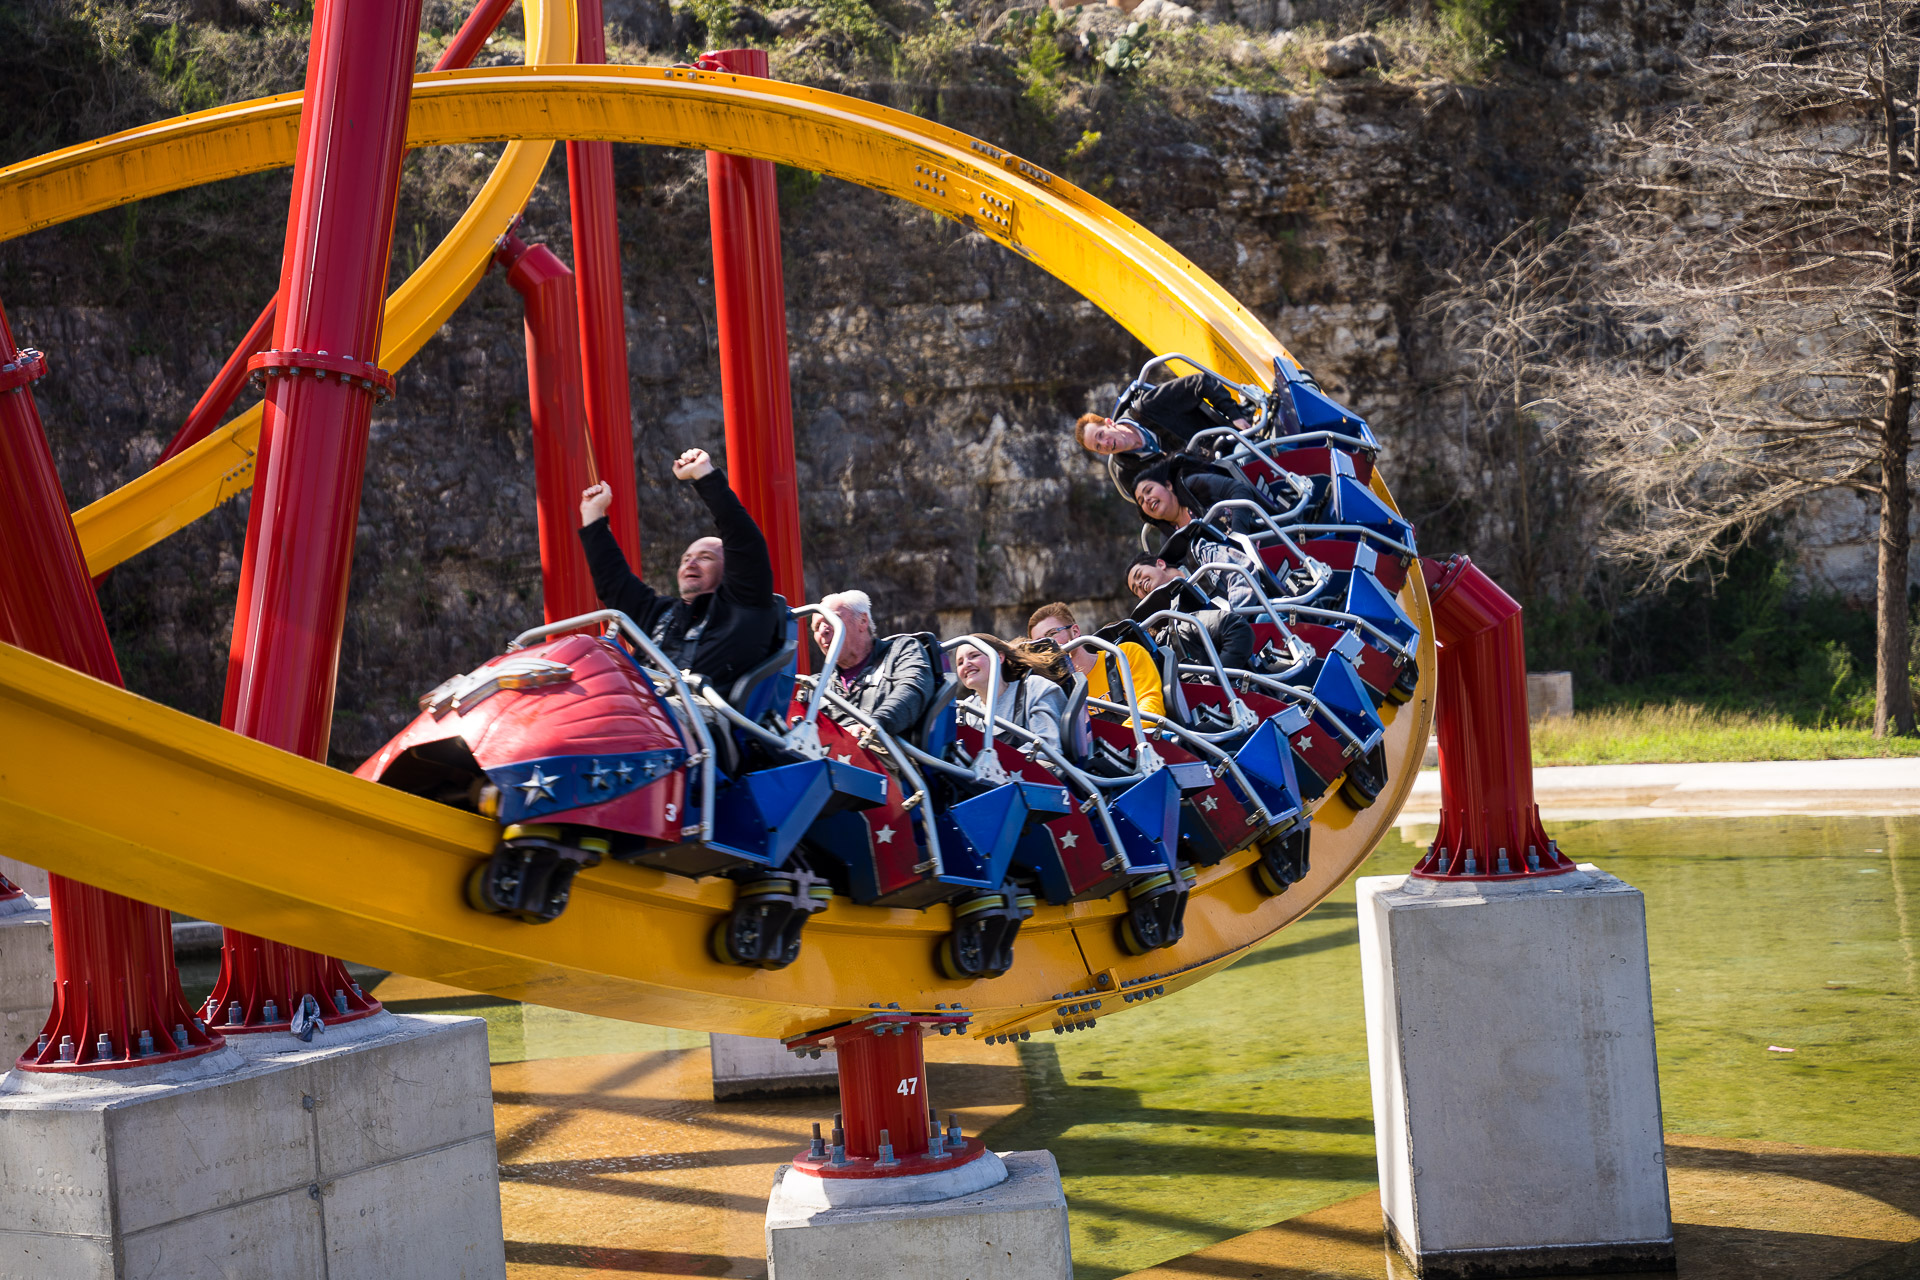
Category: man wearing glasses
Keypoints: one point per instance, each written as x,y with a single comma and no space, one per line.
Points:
1055,622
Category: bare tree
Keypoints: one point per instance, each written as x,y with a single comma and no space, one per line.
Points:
1755,257
1514,320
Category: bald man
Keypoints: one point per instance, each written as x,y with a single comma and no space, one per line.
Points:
726,617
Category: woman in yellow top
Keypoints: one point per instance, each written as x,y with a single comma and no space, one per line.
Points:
1055,622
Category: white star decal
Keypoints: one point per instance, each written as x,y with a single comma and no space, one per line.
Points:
598,776
1304,742
1070,839
884,835
1209,803
539,785
845,759
625,771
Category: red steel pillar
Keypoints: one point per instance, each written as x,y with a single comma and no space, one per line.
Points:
227,384
750,299
1489,825
116,993
562,457
603,308
321,383
887,1125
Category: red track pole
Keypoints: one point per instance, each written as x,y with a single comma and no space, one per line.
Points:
562,461
232,378
883,1085
472,36
603,308
751,301
1486,751
313,444
114,977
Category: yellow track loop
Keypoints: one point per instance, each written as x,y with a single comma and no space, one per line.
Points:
1121,267
206,822
225,142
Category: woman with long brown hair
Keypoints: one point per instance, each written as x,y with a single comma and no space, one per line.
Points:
1031,693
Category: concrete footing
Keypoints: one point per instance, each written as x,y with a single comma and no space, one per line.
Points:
749,1067
25,875
367,1153
26,975
1015,1230
1516,1098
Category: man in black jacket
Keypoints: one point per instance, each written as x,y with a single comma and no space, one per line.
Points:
891,680
1158,586
1156,422
726,617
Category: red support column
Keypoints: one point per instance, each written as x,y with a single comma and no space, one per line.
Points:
116,993
228,383
562,456
888,1127
1489,825
750,299
321,383
603,308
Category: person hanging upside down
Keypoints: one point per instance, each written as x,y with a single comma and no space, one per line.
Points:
726,617
1055,622
1159,586
889,679
1157,423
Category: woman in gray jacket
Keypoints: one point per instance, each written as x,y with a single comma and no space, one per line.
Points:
1027,698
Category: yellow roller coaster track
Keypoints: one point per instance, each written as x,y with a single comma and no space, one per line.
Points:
204,821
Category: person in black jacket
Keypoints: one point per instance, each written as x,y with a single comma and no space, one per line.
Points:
1157,422
1158,586
1174,495
891,679
726,617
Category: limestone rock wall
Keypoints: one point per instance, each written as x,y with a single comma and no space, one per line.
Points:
935,376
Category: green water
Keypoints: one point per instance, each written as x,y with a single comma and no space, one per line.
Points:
1244,1100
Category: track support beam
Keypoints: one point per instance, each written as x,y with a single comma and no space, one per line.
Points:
563,462
750,302
603,307
1489,824
116,993
313,445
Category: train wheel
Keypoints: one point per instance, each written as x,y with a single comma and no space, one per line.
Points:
479,889
1272,883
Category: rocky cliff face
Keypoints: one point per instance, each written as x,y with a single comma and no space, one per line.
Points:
935,376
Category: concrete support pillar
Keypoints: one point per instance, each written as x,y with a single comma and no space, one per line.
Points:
1516,1098
1013,1230
25,875
26,971
365,1155
749,1067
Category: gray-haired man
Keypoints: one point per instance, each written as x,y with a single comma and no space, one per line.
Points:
890,679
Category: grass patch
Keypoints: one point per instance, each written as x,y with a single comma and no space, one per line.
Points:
1686,732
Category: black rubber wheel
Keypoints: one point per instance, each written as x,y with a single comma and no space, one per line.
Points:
717,942
948,962
1263,874
1129,939
477,895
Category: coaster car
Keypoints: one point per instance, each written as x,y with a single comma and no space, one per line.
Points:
586,745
